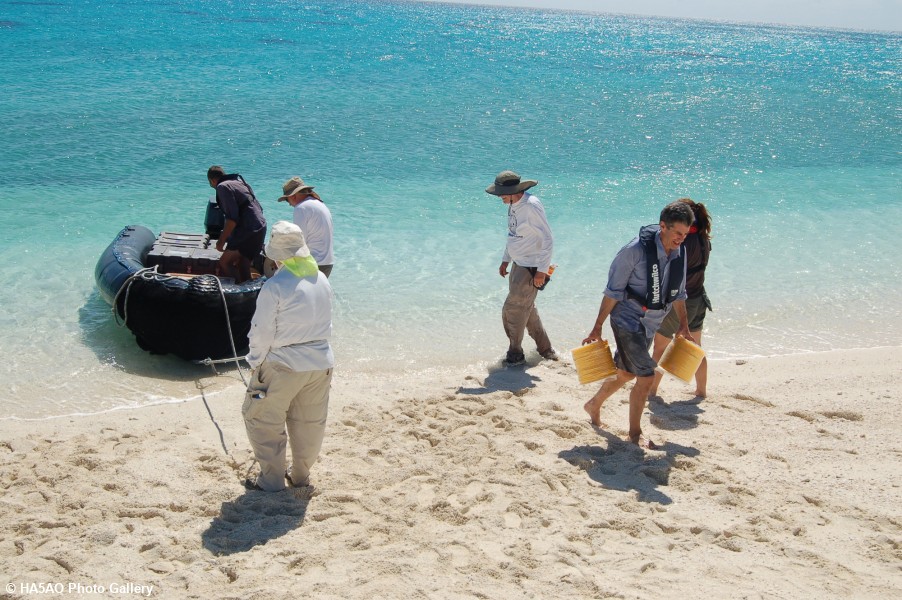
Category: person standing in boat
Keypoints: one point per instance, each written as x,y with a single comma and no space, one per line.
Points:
313,217
292,361
244,232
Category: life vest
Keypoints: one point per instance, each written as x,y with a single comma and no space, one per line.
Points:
659,296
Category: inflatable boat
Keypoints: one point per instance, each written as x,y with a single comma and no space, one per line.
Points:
167,291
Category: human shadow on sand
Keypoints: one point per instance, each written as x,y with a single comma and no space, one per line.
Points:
502,378
624,466
675,416
255,518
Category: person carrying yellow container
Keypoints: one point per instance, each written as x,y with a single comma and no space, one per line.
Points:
647,280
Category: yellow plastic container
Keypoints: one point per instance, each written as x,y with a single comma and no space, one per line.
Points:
682,359
594,362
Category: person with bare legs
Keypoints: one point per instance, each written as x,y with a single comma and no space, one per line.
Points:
697,247
646,280
244,231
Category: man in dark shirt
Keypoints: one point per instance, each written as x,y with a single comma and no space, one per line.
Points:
244,232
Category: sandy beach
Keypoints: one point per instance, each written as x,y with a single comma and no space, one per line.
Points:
783,483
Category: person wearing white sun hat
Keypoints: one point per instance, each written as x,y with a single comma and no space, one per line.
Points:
287,400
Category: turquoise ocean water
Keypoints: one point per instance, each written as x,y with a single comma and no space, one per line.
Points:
400,114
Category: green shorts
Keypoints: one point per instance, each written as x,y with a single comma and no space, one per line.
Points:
695,312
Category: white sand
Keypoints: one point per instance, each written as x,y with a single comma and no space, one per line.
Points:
784,483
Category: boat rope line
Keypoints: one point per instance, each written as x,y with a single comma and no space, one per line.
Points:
148,274
235,465
151,274
225,305
222,442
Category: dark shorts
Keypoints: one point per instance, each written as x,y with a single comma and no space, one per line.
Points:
632,353
250,246
695,311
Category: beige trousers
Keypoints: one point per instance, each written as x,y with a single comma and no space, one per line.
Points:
519,313
281,407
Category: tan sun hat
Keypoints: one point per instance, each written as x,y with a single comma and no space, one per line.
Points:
287,240
292,187
508,182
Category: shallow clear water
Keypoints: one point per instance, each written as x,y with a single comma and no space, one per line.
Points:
400,114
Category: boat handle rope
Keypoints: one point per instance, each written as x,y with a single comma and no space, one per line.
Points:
225,305
151,274
148,274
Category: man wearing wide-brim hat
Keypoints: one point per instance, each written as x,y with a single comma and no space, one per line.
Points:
314,218
528,253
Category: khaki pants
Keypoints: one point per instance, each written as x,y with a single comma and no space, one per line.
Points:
294,400
519,313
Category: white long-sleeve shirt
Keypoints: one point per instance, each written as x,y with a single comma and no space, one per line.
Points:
292,324
529,239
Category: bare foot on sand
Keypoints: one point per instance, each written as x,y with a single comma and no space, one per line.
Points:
643,442
594,412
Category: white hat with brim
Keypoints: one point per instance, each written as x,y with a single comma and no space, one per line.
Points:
287,240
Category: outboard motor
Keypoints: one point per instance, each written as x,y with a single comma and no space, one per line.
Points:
214,220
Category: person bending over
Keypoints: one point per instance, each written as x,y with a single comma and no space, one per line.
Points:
646,280
244,231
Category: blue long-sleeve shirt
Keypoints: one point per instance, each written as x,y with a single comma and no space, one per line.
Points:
629,270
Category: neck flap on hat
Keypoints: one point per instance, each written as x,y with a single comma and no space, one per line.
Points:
301,266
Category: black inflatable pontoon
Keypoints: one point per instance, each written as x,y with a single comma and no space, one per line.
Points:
165,290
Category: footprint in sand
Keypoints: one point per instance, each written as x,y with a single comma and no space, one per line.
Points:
426,495
804,415
459,555
842,414
533,446
512,520
753,399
